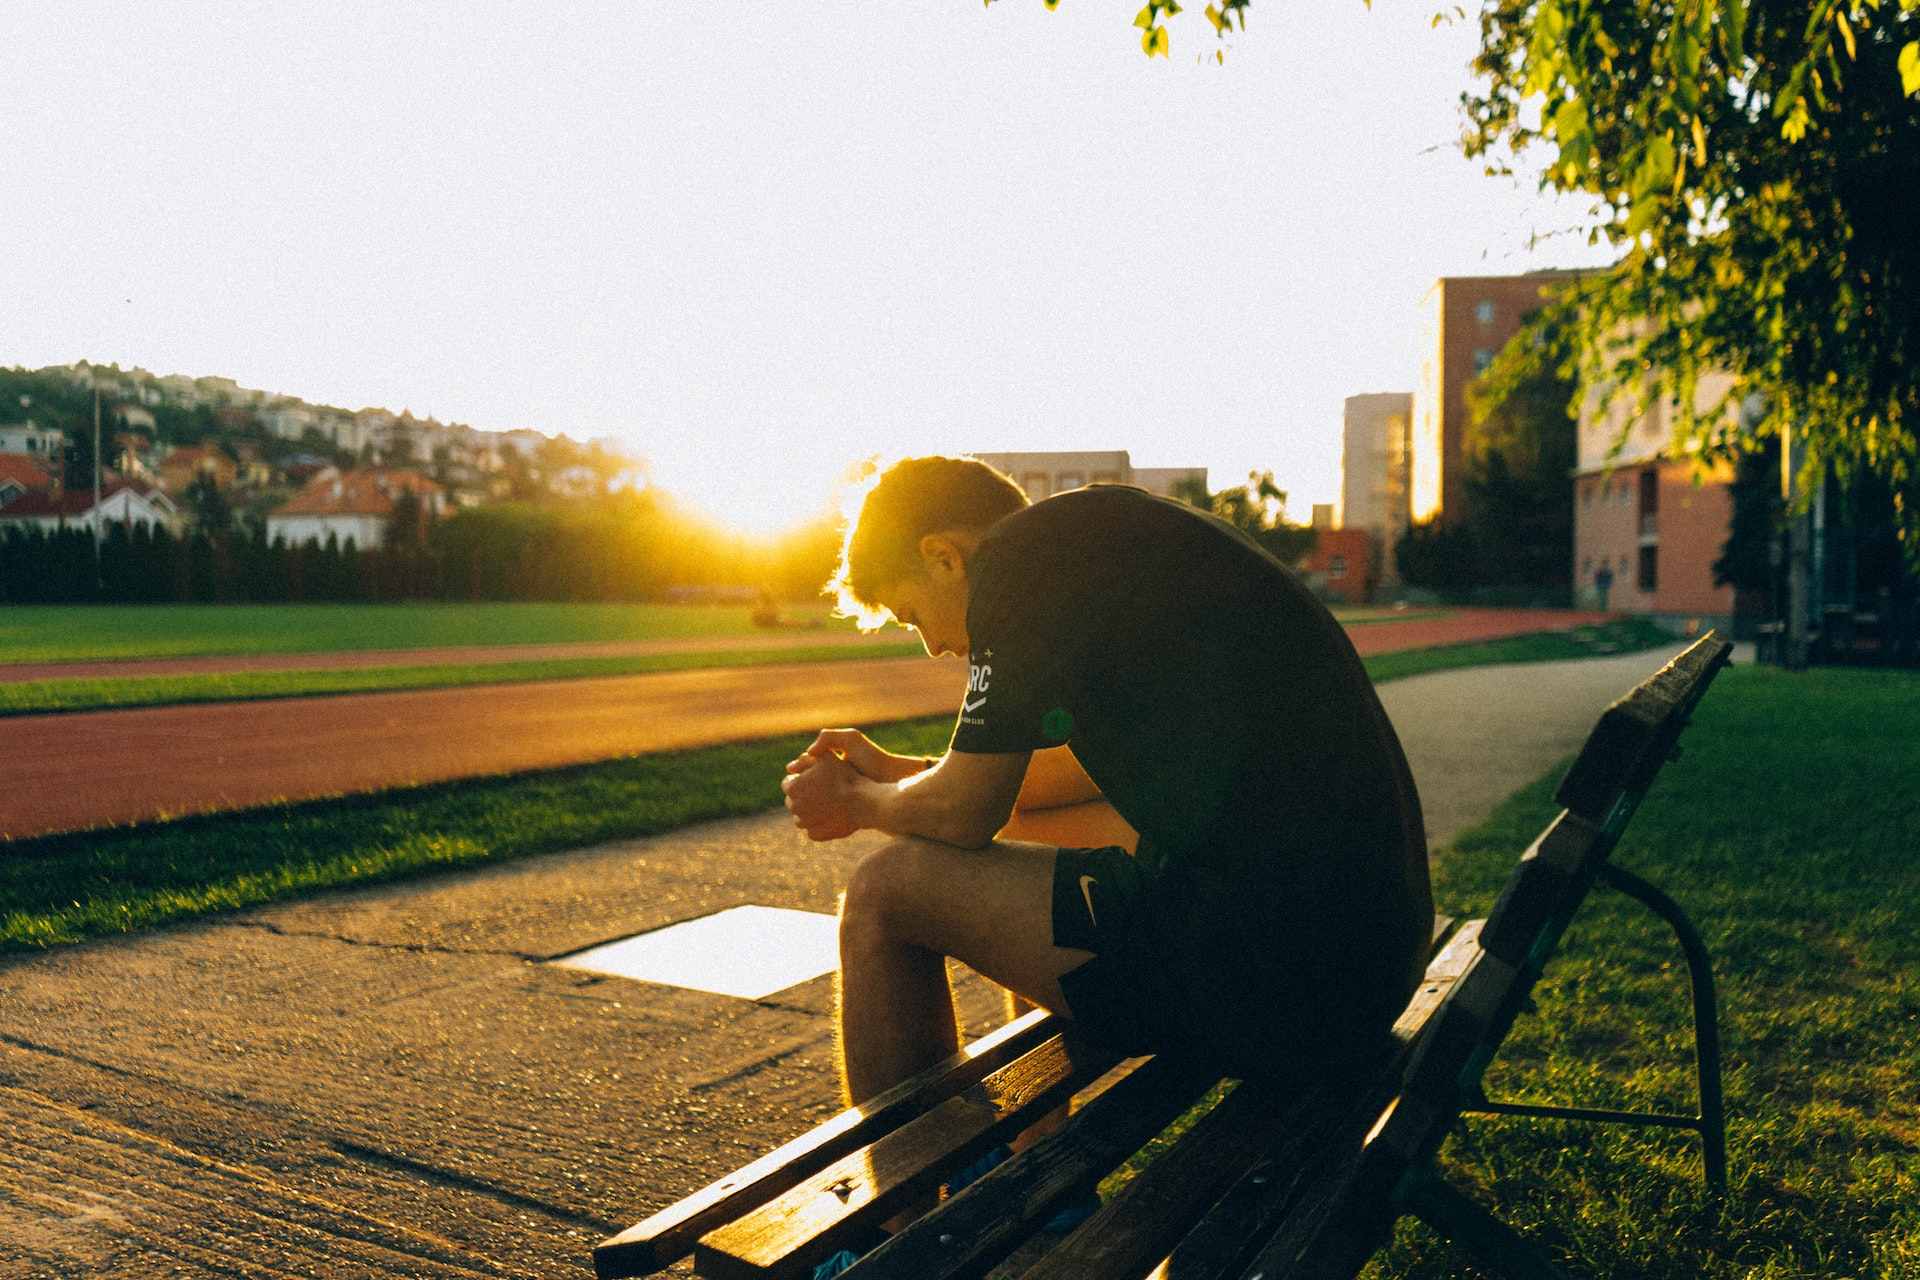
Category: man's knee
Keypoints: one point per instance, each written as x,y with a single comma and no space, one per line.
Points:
877,905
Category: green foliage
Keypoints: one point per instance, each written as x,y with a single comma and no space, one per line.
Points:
1809,904
1746,558
211,514
1757,165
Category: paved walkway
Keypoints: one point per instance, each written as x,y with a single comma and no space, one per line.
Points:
388,1082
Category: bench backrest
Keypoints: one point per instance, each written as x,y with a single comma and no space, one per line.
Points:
1360,1189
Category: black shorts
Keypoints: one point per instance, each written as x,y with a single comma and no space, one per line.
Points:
1234,973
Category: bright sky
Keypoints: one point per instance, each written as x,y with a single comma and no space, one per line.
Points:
759,242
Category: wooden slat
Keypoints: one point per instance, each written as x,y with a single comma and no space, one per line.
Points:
1635,734
969,1233
857,1192
1140,1224
670,1234
1553,876
972,1231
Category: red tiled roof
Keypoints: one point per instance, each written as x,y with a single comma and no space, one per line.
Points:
69,502
362,493
25,470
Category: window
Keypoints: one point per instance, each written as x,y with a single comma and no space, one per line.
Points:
1336,568
1650,492
1482,357
1483,312
1649,568
1586,493
1071,480
1036,485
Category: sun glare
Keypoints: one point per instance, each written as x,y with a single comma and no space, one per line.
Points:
756,497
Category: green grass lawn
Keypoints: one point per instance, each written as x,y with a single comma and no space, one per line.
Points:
79,633
1790,832
91,693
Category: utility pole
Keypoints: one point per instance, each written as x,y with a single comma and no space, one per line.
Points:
99,577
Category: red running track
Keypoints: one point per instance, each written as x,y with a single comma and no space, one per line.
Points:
104,768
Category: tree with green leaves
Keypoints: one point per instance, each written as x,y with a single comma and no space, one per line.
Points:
212,513
1756,163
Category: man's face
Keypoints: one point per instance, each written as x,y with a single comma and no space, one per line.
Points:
933,604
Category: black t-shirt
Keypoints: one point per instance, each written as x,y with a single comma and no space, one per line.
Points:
1219,707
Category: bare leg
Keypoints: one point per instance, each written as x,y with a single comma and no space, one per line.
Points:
911,903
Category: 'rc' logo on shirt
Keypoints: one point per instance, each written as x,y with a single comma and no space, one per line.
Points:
978,678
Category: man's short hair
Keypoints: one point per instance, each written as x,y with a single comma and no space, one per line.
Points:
902,504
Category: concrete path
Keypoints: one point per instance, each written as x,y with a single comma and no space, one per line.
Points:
389,1082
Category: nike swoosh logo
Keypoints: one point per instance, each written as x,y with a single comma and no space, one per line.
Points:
1086,891
975,705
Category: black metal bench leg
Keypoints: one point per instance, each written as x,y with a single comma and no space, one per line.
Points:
1706,1017
1447,1210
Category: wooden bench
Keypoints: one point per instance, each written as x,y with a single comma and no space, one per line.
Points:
1270,1182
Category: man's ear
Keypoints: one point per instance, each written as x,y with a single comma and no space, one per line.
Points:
938,551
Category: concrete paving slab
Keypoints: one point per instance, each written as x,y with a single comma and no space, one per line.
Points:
388,1081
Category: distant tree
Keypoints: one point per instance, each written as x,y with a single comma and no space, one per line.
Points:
1746,560
1258,509
1439,556
406,526
1520,454
212,514
78,471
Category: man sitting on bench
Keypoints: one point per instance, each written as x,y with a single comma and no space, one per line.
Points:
1275,915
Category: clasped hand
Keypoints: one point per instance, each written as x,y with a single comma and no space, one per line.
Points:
822,784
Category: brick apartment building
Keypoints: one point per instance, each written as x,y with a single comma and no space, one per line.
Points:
1648,525
1467,320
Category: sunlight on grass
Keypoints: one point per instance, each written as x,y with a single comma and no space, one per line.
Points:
1787,831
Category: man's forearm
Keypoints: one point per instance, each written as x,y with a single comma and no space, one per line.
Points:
920,805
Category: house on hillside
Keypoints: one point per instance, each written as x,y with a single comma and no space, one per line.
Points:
351,506
134,417
183,466
21,474
129,503
47,443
